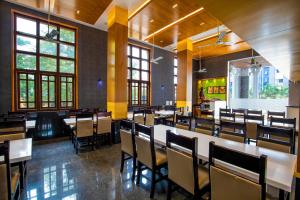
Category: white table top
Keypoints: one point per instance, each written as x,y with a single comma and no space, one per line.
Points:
280,166
30,124
20,150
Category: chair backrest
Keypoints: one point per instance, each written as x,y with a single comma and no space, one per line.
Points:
251,122
225,110
13,126
275,138
84,124
284,122
239,111
139,116
144,138
276,114
5,172
103,125
232,131
182,167
254,112
127,137
149,119
205,125
104,114
227,116
183,121
207,114
225,184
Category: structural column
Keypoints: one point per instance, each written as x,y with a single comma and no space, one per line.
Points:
117,62
185,74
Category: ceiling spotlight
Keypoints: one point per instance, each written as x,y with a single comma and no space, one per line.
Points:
202,23
175,5
152,20
161,41
77,12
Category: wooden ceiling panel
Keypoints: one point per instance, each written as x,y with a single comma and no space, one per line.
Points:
271,27
162,13
207,48
90,10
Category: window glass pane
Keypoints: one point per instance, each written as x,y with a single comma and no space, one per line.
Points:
145,54
31,91
26,43
26,26
67,35
48,64
48,47
136,63
52,91
175,62
70,91
175,80
45,91
44,29
67,66
145,76
128,63
67,51
23,91
128,50
135,52
145,65
128,74
135,75
63,89
25,61
175,71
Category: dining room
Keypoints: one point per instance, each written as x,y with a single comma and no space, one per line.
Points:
149,99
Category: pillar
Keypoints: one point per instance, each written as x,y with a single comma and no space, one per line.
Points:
185,74
117,101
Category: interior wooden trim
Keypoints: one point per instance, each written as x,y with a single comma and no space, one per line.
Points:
12,72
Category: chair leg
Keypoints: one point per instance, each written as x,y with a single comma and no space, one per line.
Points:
133,168
76,144
169,192
152,183
122,161
138,173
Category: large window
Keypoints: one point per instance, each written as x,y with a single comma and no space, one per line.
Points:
138,76
175,76
44,70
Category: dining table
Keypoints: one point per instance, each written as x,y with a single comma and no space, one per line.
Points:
280,166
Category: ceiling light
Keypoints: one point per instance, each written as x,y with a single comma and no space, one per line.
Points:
139,9
161,41
152,20
175,22
175,5
77,12
202,23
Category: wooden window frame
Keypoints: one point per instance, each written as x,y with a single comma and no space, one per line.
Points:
140,81
38,74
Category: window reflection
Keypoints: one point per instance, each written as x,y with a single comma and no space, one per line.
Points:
32,194
50,184
68,183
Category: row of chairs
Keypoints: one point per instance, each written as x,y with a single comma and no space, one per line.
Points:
183,168
90,127
241,112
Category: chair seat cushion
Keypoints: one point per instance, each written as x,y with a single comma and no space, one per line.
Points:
203,177
161,157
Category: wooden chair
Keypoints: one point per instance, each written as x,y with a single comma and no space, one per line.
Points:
205,126
239,113
150,119
254,112
232,131
171,120
225,110
103,125
84,129
139,116
227,116
12,130
226,184
275,114
251,122
9,179
283,122
183,168
128,147
280,139
147,156
183,122
207,114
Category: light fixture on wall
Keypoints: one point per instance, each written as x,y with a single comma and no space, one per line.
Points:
99,83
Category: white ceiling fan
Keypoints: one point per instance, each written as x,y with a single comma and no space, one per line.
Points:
155,60
201,68
50,36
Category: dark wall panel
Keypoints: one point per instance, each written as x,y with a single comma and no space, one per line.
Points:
91,59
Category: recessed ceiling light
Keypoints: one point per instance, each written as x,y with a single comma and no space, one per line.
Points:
161,41
202,23
175,5
152,20
77,12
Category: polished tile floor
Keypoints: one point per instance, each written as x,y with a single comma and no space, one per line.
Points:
56,172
